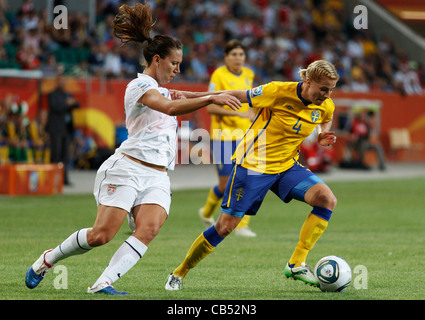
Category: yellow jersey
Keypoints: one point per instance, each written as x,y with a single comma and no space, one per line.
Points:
284,119
230,127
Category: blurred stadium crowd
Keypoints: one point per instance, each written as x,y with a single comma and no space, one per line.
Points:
281,36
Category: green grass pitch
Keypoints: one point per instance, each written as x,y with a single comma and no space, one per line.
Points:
378,227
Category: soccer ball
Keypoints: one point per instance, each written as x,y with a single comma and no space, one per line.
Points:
333,273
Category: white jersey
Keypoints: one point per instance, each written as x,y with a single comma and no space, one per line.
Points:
152,135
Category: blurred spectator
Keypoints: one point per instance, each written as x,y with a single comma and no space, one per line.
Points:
60,123
407,80
27,58
49,67
39,139
16,133
83,151
96,59
80,70
358,84
364,136
113,63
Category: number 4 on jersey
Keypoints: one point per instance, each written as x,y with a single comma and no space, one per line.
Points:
297,126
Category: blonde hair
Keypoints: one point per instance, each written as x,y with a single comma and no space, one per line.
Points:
317,69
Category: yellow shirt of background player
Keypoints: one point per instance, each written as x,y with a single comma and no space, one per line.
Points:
282,123
231,127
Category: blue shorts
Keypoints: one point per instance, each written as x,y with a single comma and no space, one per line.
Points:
222,156
245,190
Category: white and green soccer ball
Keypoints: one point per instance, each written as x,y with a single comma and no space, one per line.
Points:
333,273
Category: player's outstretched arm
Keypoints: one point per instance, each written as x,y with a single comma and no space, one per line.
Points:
154,100
239,94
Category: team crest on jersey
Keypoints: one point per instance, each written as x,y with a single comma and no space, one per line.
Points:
258,91
239,194
111,189
315,115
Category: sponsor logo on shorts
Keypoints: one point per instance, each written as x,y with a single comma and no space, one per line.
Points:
111,189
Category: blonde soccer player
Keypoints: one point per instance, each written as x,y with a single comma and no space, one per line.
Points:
228,128
134,180
267,159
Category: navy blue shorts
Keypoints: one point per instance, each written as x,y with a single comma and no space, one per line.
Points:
222,152
246,189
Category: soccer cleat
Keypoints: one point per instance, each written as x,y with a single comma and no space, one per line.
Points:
173,282
302,273
245,232
37,271
105,288
207,222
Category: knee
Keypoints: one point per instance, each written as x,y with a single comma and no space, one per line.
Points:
326,200
147,233
224,229
96,238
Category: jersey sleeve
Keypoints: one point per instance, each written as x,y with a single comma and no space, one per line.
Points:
329,111
263,96
139,89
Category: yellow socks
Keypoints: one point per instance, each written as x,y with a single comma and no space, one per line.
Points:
244,222
213,201
312,229
201,247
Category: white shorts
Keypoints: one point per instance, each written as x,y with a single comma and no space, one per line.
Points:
123,183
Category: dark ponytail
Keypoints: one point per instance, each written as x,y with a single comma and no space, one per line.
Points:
134,23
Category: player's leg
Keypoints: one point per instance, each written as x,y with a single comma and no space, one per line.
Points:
206,242
301,184
321,198
221,152
244,194
151,207
323,201
149,218
214,198
107,224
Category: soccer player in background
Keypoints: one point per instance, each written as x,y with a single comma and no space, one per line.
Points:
267,159
134,180
228,128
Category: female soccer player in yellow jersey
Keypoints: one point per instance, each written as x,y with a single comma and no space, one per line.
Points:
267,159
228,128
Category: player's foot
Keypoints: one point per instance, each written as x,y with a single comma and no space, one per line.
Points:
207,222
37,271
302,273
105,288
173,283
245,232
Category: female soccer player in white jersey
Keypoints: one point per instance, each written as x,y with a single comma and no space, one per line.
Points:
135,178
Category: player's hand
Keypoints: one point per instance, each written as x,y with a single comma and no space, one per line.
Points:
226,99
326,139
176,95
